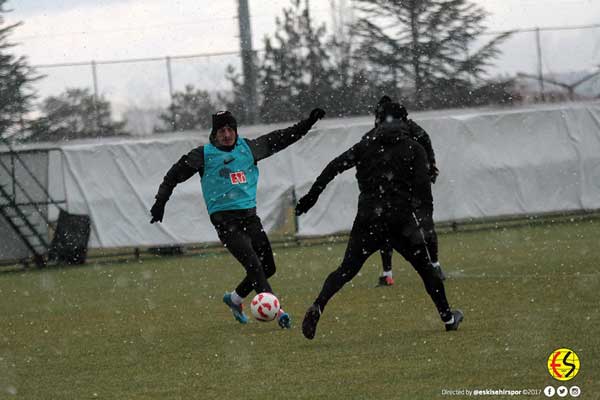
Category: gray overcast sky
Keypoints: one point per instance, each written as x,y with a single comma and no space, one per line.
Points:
57,31
78,30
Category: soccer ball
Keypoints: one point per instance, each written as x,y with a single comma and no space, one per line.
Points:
265,306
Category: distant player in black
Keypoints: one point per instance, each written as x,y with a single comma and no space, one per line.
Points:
394,182
415,132
229,176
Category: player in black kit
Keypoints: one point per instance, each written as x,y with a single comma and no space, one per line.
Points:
394,182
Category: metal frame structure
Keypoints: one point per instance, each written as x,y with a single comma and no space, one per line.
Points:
29,218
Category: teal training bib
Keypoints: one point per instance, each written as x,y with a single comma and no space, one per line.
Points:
230,178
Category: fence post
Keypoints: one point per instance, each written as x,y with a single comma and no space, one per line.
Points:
170,81
248,65
95,83
169,77
539,57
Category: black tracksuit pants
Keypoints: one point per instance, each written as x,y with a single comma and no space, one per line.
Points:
247,241
403,233
426,222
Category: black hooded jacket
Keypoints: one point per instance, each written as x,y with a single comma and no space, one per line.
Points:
417,133
392,170
261,147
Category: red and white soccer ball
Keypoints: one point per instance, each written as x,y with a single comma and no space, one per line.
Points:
265,306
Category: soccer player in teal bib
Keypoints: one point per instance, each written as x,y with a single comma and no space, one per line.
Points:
229,175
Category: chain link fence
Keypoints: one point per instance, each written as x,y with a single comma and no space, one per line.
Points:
548,62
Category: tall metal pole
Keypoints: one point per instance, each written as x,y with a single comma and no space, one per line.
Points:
169,77
539,57
170,80
248,66
95,82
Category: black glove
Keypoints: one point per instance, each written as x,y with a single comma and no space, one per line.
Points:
306,202
433,173
316,115
157,211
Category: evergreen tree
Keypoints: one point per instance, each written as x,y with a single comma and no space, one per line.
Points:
190,109
16,77
295,72
355,89
424,45
74,114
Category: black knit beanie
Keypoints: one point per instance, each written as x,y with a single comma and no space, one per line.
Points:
221,119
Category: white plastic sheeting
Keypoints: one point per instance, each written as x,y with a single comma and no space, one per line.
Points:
492,164
115,184
521,162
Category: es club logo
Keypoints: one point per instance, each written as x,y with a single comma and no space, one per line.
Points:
563,364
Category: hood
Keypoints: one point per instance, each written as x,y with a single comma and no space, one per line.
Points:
392,131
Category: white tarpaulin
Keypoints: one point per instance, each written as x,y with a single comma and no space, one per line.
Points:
115,183
492,164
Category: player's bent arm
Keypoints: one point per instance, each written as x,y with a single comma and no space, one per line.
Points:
180,172
271,143
347,160
338,165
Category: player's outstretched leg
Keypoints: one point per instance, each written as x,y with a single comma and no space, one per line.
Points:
237,308
311,319
362,243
